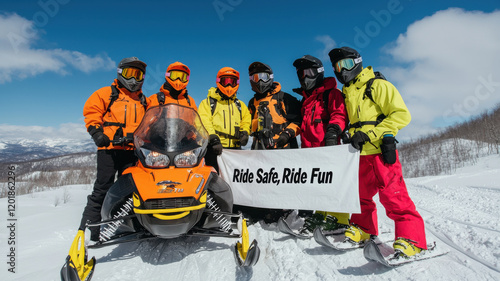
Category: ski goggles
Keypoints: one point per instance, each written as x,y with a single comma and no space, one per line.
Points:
228,81
130,72
264,76
177,74
346,64
309,72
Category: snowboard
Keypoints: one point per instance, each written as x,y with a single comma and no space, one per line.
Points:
284,227
372,252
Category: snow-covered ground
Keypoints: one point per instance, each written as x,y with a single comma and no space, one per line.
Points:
461,212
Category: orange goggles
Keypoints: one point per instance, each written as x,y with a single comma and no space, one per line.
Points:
130,72
177,74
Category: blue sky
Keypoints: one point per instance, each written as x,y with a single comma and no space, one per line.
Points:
55,53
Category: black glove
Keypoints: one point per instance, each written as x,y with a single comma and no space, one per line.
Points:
214,142
332,134
100,139
284,137
388,148
358,139
243,138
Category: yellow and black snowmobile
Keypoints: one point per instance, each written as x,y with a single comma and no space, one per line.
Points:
169,193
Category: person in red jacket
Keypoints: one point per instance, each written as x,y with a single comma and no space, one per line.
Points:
111,116
324,118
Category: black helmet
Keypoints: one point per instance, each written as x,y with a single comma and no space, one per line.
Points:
132,84
343,74
263,79
310,71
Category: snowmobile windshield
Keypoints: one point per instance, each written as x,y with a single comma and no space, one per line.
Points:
171,129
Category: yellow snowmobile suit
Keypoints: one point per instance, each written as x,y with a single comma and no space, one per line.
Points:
387,105
225,119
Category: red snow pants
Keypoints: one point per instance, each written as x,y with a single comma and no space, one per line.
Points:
377,176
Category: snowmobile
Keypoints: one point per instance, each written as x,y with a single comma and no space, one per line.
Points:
169,193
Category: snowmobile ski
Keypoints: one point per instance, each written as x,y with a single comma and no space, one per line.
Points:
77,266
340,244
246,254
372,252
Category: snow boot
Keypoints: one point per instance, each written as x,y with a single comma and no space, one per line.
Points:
95,232
356,235
310,223
336,221
404,248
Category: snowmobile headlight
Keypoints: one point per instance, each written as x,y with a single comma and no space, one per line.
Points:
155,159
187,159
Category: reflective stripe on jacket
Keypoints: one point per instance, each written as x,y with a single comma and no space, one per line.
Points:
317,115
387,101
226,121
126,112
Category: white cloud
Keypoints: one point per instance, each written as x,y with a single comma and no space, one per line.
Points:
329,45
20,59
447,67
69,131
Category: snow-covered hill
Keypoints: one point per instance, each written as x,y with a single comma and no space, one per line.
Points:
17,150
460,211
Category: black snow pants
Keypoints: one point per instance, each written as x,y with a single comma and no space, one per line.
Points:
109,162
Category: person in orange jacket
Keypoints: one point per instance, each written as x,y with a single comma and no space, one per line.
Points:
174,89
275,114
112,114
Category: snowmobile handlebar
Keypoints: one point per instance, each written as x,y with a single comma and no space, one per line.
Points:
123,141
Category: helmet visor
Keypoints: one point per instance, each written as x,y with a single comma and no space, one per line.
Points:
130,72
177,74
309,72
347,64
229,81
264,76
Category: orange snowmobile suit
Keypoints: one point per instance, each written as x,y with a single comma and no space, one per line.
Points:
164,97
124,114
277,110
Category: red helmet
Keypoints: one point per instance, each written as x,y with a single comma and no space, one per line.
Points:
228,81
177,75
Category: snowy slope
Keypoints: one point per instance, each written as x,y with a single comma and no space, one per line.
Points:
460,210
18,150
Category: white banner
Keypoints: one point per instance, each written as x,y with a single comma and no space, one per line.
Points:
322,178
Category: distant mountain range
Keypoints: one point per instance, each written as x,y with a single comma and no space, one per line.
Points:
20,150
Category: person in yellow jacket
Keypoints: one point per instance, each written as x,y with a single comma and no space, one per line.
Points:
225,117
111,116
377,112
174,89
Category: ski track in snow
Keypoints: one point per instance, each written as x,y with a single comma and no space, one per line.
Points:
460,212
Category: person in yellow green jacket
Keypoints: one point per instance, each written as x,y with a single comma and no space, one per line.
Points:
225,117
376,113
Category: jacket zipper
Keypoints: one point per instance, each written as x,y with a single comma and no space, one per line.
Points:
312,116
229,116
125,117
135,113
224,114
